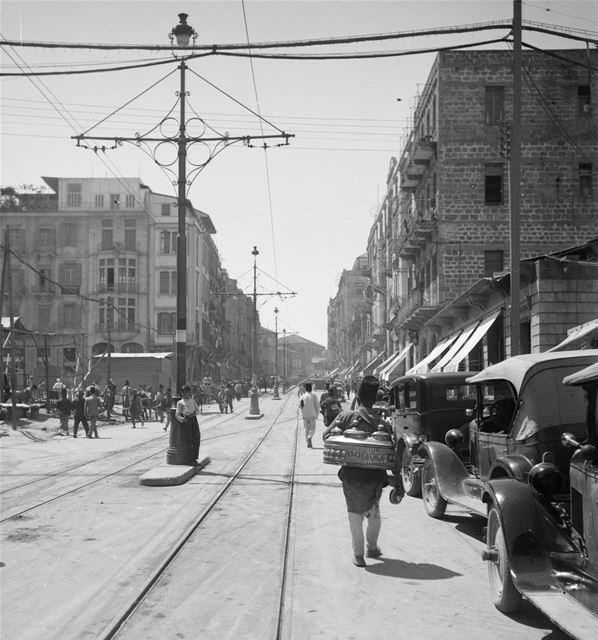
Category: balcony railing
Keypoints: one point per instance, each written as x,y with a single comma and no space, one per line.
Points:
420,305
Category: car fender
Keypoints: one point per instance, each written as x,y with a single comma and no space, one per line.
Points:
407,440
448,467
530,533
513,466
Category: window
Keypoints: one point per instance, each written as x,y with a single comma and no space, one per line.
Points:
69,276
493,262
130,202
17,238
99,201
130,235
45,239
70,316
166,322
495,104
115,201
493,184
106,274
43,317
73,194
69,354
127,274
43,282
167,282
43,355
168,242
585,180
584,100
107,235
166,210
17,281
125,318
69,234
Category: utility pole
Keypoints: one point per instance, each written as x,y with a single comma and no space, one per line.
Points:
515,184
2,281
284,360
180,36
13,372
275,395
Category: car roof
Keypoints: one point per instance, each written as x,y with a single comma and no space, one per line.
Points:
587,374
516,368
435,376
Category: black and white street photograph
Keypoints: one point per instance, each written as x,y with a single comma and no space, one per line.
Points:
314,286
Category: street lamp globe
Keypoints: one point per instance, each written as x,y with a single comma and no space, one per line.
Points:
182,32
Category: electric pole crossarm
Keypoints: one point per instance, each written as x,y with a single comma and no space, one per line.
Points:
246,139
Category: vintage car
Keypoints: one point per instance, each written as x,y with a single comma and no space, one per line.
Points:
424,407
522,409
542,537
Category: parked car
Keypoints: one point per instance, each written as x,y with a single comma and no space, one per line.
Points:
542,537
522,409
424,407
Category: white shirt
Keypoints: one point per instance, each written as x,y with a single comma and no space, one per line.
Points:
311,405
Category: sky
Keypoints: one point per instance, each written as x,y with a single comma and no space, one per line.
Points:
308,206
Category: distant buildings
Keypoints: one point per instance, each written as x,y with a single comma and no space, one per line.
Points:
95,268
438,251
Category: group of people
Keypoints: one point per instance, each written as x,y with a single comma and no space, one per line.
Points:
362,487
140,404
85,409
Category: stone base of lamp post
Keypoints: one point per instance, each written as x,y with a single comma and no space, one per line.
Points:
275,395
180,450
254,406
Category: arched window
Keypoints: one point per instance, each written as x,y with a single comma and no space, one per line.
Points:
132,347
101,347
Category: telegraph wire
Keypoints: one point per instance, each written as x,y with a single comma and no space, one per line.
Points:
267,167
552,54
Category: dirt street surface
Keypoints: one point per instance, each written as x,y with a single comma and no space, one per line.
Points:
255,546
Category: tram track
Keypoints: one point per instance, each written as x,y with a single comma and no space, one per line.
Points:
119,627
17,494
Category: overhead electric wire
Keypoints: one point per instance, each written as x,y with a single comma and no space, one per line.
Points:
268,185
552,54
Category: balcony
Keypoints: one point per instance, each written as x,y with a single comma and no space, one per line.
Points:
423,152
415,231
418,307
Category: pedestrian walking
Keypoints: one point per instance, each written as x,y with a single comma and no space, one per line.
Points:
362,487
186,414
348,389
158,409
238,391
64,407
125,394
93,406
228,399
109,393
166,404
310,408
330,407
79,414
135,409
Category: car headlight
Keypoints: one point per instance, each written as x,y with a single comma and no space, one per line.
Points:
453,438
544,479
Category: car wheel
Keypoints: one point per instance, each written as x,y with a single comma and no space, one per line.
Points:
434,503
504,593
410,475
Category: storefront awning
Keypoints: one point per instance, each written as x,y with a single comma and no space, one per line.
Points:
369,367
351,370
478,333
391,368
384,364
454,348
580,337
333,372
422,365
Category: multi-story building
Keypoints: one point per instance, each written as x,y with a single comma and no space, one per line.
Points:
96,270
444,223
348,314
238,313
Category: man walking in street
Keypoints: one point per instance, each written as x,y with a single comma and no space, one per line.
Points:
64,408
79,414
310,408
92,411
166,403
362,486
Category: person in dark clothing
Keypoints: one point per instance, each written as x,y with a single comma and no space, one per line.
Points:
362,487
79,414
64,407
330,407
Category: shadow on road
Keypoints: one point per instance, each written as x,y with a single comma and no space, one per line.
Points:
470,525
395,568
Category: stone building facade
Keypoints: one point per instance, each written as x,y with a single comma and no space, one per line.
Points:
444,222
97,267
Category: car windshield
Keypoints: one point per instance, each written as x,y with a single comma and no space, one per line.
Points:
547,402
